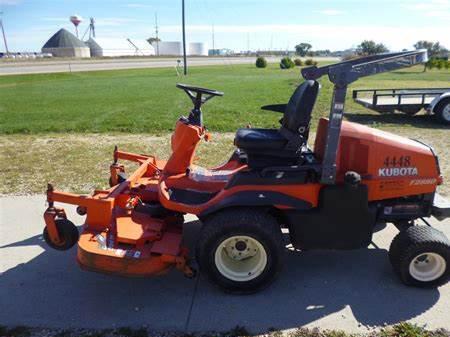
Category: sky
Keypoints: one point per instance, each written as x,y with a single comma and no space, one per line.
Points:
238,24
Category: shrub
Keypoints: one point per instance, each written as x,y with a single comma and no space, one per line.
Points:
286,63
298,62
261,62
310,62
438,63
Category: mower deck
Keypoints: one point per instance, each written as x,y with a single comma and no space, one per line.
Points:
123,233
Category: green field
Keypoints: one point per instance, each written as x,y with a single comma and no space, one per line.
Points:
61,128
146,100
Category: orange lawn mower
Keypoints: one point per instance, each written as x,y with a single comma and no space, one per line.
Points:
328,197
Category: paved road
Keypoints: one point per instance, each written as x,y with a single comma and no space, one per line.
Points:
341,290
55,66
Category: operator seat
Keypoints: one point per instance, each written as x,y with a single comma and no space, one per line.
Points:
283,146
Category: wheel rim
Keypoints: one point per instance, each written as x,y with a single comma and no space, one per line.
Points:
240,258
446,113
427,267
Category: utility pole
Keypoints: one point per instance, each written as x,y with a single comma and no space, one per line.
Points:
248,43
156,31
184,39
213,47
4,35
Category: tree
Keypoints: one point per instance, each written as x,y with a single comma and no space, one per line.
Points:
152,40
302,48
370,47
435,49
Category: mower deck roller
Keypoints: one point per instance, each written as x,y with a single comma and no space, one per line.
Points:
330,196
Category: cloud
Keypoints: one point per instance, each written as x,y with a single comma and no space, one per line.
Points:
431,8
331,12
106,21
328,36
10,2
55,19
113,21
137,5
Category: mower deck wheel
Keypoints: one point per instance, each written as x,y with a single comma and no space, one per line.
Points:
420,256
240,249
68,233
121,177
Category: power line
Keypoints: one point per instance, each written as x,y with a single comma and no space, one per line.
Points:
213,47
184,38
248,43
156,32
3,33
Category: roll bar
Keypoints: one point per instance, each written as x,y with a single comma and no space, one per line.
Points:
341,75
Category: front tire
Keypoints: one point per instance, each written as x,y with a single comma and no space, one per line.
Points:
420,256
240,250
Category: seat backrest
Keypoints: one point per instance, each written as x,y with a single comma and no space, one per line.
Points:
297,115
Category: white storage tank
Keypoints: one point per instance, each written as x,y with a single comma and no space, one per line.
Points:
169,48
197,49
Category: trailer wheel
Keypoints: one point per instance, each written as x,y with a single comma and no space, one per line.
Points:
68,233
442,111
420,256
240,250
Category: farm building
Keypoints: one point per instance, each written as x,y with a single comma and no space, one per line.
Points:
65,44
110,47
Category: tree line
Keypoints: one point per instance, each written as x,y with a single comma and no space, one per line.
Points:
437,53
370,47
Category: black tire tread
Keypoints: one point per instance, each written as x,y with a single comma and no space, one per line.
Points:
231,219
411,240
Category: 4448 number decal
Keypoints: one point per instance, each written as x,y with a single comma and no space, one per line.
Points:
397,167
402,161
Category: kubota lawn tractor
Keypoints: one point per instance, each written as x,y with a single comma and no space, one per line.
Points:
330,196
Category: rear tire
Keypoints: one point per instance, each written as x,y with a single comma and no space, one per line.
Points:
68,233
240,250
442,111
420,256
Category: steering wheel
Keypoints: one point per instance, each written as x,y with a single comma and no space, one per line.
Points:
197,98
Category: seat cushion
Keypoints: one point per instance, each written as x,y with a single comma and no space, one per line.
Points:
259,139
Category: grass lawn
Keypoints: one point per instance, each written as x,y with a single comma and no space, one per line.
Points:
61,128
80,163
402,329
146,100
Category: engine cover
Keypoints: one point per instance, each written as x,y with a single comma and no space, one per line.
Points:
391,166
